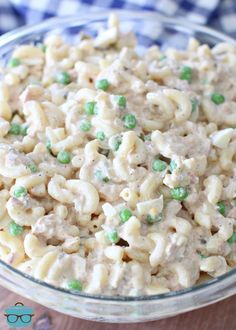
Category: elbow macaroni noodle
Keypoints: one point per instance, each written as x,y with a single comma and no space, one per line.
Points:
118,172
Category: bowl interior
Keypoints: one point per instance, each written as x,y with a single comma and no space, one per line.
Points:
150,29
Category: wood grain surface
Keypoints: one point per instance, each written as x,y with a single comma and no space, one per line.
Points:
220,316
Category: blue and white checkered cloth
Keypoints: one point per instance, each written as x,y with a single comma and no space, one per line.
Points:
219,14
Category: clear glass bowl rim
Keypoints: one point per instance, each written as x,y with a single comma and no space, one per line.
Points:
70,21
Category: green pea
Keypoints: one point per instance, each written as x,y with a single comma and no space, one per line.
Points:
63,78
64,157
194,105
116,142
217,98
162,57
221,207
15,229
32,167
85,126
121,101
125,214
179,193
129,121
148,137
49,146
232,239
113,236
15,129
202,256
144,137
159,165
102,84
99,175
89,108
74,285
173,165
186,73
13,62
100,136
19,192
151,220
23,130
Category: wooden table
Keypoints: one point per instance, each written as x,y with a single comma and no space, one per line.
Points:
220,316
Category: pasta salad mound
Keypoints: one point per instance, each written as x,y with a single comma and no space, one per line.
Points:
118,171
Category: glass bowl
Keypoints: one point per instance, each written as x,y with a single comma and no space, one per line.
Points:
151,28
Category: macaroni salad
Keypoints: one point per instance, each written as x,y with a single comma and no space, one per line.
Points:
118,171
